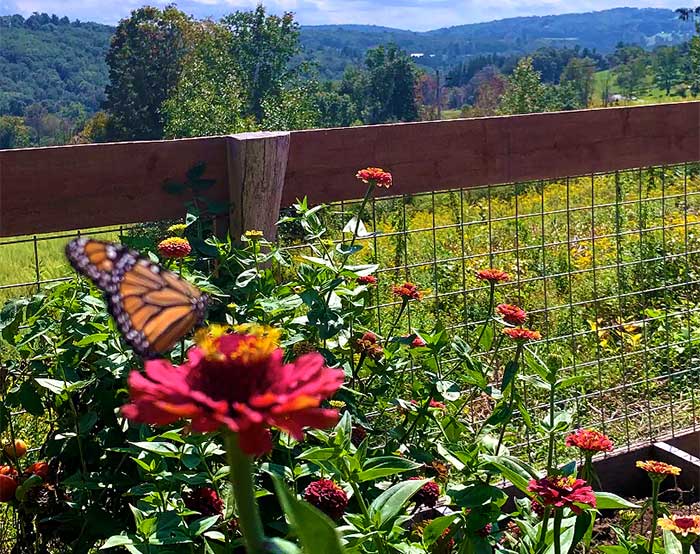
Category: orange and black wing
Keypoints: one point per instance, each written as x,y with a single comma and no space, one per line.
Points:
154,308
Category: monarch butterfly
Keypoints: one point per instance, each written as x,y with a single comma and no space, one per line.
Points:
153,307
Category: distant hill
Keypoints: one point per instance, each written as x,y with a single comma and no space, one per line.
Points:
58,62
53,61
444,47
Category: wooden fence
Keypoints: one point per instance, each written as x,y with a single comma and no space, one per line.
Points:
71,187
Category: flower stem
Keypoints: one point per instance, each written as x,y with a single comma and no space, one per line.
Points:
241,476
655,485
543,532
552,434
492,296
404,303
511,401
378,540
557,530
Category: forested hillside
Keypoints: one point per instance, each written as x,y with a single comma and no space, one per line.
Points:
52,61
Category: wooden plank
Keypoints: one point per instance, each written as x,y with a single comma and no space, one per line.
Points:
257,163
73,187
471,152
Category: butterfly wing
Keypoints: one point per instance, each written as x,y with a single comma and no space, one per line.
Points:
154,308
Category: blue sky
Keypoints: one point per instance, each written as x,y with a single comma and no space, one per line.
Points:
404,14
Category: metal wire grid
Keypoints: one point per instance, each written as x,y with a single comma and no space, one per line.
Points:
604,264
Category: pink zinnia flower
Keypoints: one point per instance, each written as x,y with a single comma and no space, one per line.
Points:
174,247
367,280
511,314
493,276
407,291
562,492
589,440
328,497
240,382
418,342
375,176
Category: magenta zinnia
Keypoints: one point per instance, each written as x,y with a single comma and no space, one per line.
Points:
562,492
428,494
328,497
589,440
375,176
236,381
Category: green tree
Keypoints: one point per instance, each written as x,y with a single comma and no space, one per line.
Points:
524,92
335,109
14,133
666,67
263,47
631,75
145,60
208,98
384,90
96,129
579,72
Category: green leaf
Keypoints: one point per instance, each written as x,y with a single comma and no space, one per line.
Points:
383,466
280,546
514,470
58,386
91,339
388,504
671,543
162,448
509,374
477,494
610,501
116,540
315,529
434,530
203,524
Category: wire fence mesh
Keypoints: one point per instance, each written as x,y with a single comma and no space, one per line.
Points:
605,264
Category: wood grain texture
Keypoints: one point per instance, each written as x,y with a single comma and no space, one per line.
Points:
256,167
75,187
64,188
471,152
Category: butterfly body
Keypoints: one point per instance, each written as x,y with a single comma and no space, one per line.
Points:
153,307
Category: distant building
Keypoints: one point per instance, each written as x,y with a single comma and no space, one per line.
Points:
417,55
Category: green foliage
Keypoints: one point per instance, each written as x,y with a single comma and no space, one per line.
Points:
262,46
525,92
208,98
145,60
13,132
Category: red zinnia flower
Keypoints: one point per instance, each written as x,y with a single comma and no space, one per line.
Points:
358,435
418,342
432,404
375,176
174,247
407,291
8,483
522,334
368,344
512,315
238,381
204,500
41,469
562,492
367,280
485,531
493,276
328,497
536,507
682,526
589,440
428,494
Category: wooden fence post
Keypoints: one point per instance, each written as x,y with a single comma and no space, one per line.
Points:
257,163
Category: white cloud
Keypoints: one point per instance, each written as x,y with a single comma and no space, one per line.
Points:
405,14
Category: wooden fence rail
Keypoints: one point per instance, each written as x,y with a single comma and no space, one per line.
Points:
71,187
